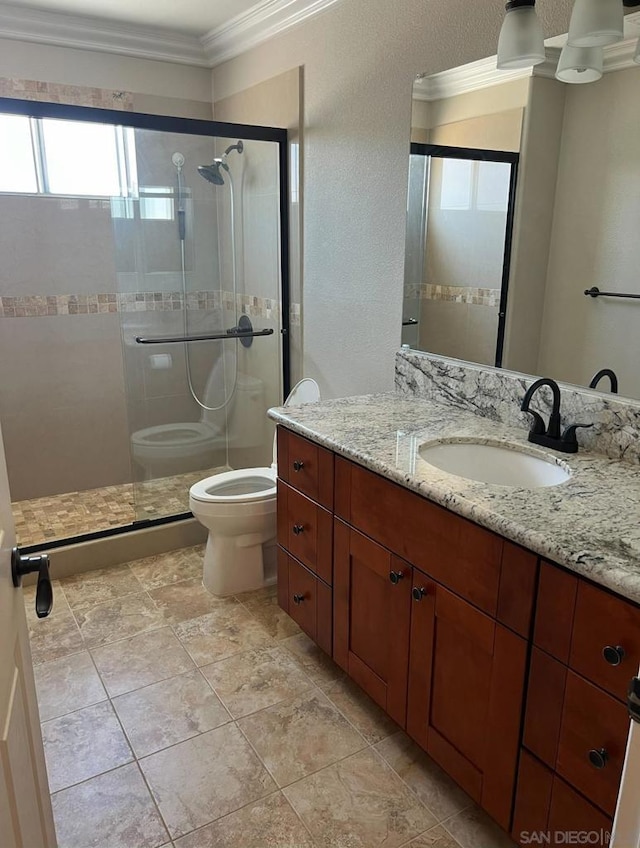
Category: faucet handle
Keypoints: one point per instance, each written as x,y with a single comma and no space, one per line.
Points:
569,435
538,427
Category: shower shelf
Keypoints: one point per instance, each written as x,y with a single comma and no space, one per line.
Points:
210,337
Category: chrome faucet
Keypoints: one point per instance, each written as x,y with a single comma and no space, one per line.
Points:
550,436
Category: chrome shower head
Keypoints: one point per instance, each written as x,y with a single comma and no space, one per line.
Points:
212,173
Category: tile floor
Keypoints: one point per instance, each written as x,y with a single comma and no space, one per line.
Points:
74,513
172,718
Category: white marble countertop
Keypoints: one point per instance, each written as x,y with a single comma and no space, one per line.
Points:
590,524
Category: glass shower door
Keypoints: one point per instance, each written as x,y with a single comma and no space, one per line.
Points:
198,255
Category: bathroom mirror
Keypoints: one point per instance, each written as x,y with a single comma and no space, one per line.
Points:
524,193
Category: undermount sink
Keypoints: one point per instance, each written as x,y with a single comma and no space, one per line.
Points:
494,463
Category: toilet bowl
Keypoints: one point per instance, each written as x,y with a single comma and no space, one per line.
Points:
168,449
238,508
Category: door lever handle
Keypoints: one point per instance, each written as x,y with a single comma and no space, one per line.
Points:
22,564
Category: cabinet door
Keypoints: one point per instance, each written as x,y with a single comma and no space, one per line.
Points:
466,682
372,604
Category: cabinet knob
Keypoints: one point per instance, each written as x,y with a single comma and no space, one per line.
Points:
298,599
298,465
598,758
613,655
418,593
396,577
297,529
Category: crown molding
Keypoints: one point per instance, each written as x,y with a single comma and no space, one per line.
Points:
262,22
484,74
85,33
471,77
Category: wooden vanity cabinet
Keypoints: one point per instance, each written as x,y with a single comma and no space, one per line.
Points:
372,607
512,674
586,649
305,535
466,685
425,642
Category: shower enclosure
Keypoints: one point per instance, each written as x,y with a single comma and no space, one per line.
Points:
144,311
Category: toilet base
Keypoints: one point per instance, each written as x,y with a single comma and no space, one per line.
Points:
233,564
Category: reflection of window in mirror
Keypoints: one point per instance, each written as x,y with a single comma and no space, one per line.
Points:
460,216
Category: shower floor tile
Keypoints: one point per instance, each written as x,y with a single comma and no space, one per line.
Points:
75,513
247,751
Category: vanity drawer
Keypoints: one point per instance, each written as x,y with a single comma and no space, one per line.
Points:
306,599
306,466
457,553
605,647
567,718
592,743
549,808
306,531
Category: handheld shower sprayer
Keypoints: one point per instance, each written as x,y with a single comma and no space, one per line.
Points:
178,161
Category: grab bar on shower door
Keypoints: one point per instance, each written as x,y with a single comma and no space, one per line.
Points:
208,337
243,331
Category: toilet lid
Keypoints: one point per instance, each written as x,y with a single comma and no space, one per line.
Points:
306,391
243,486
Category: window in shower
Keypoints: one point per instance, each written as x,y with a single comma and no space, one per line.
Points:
111,235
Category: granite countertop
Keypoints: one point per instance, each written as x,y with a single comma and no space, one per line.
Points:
590,524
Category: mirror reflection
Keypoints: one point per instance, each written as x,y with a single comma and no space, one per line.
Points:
522,218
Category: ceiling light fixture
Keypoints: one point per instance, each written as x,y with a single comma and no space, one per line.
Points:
596,23
580,64
521,42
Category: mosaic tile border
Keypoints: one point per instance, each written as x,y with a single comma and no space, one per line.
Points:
74,95
479,296
46,306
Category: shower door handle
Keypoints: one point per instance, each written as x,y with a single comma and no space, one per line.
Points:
209,337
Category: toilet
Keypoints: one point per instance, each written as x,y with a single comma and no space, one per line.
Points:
169,449
238,508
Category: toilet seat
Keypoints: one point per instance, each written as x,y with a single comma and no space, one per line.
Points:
246,485
168,436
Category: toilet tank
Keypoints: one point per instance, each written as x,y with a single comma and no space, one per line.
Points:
247,417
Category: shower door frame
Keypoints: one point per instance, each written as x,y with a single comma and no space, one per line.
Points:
186,126
442,151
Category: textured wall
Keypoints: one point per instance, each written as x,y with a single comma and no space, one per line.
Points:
360,58
595,237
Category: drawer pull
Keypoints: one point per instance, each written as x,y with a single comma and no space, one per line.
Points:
298,529
298,599
613,656
598,759
298,465
396,577
419,593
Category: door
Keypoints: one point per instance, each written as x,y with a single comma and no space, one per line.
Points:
372,605
466,682
26,820
626,831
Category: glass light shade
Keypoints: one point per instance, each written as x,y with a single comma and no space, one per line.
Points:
580,64
636,58
596,23
521,42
